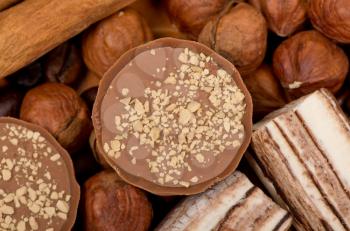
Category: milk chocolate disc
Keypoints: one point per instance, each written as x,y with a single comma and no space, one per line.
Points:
172,117
38,190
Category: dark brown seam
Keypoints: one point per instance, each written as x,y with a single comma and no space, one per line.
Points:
311,176
278,189
278,150
281,222
321,151
66,53
241,201
67,125
217,20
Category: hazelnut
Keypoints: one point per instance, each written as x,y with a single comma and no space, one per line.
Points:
283,17
64,64
192,15
332,18
266,91
111,204
230,36
156,16
60,110
308,61
113,36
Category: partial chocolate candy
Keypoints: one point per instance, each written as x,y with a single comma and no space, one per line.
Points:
38,189
172,117
233,204
302,156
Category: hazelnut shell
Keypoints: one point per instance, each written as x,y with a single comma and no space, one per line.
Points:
229,35
158,19
64,64
58,108
332,18
266,91
308,61
113,205
283,17
113,36
192,15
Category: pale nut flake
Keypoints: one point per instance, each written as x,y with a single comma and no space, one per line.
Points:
185,116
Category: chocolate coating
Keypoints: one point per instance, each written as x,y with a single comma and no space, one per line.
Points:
38,188
148,68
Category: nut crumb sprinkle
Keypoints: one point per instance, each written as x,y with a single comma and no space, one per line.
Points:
30,193
186,121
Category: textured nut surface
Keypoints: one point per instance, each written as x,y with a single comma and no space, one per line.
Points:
230,36
283,17
266,91
158,18
111,204
308,61
332,18
111,37
61,111
192,15
64,64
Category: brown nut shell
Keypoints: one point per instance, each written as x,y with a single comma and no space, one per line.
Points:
113,205
192,15
59,109
230,36
332,18
308,61
266,91
64,64
157,18
113,36
283,17
174,43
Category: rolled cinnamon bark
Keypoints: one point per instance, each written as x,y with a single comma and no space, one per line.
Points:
4,4
32,28
302,156
233,204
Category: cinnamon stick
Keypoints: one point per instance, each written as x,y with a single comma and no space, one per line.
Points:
233,204
4,4
32,28
303,164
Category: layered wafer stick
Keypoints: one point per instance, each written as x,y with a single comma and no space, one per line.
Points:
233,204
302,154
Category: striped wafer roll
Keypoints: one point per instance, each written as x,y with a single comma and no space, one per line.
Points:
302,154
233,204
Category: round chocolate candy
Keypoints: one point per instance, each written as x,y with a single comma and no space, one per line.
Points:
172,117
38,190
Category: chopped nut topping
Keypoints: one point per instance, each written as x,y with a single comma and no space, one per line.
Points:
187,119
33,195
